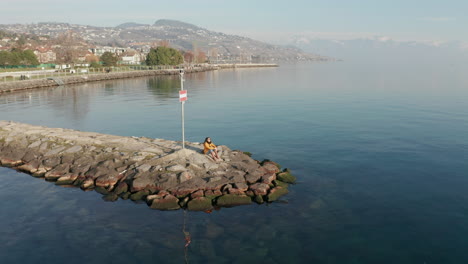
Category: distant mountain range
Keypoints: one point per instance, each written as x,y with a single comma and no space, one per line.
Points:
381,48
179,34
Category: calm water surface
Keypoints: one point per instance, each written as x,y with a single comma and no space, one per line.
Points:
380,151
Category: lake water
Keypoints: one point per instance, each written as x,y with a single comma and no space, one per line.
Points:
380,152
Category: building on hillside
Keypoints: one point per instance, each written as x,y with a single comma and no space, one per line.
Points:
85,56
132,58
45,55
98,51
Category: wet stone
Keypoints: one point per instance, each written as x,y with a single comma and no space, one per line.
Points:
169,202
112,197
199,204
233,200
139,195
121,188
276,193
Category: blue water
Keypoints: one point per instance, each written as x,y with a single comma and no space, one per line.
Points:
380,152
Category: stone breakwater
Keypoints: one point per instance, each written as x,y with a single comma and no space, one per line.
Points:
157,171
65,80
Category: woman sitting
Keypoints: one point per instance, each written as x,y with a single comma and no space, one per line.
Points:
210,148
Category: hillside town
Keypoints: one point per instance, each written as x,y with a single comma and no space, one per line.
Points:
69,43
69,48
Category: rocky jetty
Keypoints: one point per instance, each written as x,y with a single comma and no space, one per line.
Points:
157,171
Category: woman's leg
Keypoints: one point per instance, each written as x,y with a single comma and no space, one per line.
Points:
213,155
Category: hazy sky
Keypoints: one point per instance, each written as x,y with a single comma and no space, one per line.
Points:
423,20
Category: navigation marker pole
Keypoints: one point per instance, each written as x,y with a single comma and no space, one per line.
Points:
182,99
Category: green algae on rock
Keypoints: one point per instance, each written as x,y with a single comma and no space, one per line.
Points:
200,204
233,200
286,177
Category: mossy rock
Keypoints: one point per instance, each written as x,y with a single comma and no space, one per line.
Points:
233,200
250,193
276,193
68,182
139,195
280,183
111,197
125,195
101,190
259,199
286,176
200,204
78,182
121,188
211,197
166,204
247,153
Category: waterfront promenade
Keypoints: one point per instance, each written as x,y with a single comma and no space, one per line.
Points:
50,79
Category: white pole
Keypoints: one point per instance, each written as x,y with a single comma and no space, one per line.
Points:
182,107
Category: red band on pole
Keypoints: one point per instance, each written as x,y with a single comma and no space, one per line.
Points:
183,96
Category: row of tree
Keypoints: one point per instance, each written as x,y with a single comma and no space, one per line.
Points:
18,57
157,56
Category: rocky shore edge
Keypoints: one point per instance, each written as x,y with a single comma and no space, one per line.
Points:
7,87
156,171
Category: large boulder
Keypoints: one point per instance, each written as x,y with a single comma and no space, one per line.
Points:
259,188
233,200
271,167
57,172
276,193
140,195
286,176
108,180
199,204
121,188
254,176
66,179
169,202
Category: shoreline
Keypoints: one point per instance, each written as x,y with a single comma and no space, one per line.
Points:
12,86
156,171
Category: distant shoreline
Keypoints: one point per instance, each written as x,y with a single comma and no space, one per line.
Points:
13,86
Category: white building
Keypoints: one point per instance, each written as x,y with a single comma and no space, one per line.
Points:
131,59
